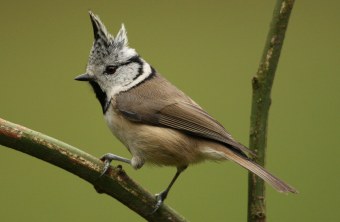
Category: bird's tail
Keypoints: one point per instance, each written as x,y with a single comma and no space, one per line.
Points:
275,182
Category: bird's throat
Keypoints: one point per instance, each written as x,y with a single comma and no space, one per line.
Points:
101,96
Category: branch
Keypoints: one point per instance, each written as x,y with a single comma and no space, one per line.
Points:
262,85
115,183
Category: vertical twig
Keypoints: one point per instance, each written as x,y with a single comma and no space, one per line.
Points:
262,84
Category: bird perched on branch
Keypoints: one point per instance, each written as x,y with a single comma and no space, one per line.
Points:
157,122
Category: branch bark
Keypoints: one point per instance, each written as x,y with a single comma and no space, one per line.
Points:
115,183
262,84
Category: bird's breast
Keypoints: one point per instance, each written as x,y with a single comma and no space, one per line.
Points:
117,125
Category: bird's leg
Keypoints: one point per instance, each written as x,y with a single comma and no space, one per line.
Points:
161,196
107,159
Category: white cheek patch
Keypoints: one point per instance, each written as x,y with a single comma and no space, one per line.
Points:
125,73
121,88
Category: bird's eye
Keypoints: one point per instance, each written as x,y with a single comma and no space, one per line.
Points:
110,70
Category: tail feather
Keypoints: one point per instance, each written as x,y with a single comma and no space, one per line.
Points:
275,182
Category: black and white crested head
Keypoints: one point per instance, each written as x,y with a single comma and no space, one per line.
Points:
105,46
113,66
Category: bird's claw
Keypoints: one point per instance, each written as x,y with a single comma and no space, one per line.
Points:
160,199
107,163
108,158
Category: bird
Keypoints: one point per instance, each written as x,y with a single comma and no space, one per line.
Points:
157,122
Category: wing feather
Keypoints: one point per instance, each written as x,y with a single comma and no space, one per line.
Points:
173,109
193,120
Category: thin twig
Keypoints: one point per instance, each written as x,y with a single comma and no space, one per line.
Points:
262,85
115,183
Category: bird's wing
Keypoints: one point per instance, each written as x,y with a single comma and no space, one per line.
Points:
185,116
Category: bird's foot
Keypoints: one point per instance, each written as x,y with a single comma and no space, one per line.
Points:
160,199
107,159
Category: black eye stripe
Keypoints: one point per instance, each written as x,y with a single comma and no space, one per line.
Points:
112,69
134,59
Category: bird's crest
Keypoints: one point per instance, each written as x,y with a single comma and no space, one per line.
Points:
104,43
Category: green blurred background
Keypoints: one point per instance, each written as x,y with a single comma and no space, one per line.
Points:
209,49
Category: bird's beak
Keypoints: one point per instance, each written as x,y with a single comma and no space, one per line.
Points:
84,77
